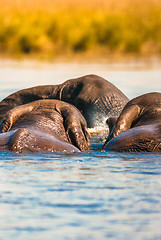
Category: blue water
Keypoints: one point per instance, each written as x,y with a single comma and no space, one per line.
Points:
91,195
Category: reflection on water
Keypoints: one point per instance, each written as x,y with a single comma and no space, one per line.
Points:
91,195
94,195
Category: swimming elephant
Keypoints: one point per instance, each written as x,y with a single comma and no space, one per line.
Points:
95,97
138,128
44,125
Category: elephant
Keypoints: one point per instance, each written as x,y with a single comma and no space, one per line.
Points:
44,125
96,98
138,128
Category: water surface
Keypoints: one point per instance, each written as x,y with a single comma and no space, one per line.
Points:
91,195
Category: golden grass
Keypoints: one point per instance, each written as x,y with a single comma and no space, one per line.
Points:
48,29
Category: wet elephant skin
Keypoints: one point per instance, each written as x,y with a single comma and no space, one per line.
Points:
95,97
44,125
138,128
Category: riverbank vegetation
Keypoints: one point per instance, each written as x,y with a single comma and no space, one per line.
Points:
98,28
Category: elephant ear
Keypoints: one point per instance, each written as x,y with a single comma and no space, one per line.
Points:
27,95
124,121
12,115
75,125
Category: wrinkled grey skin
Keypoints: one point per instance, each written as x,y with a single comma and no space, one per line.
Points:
44,125
95,97
138,128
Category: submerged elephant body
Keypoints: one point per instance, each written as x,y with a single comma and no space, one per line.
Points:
44,125
95,97
138,128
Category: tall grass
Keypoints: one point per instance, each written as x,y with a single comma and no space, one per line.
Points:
49,29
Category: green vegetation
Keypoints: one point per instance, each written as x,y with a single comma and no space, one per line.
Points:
49,30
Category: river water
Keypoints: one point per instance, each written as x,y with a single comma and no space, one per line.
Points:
91,195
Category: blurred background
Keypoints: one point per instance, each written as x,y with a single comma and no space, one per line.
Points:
93,30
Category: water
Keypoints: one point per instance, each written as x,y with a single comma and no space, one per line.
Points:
91,195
